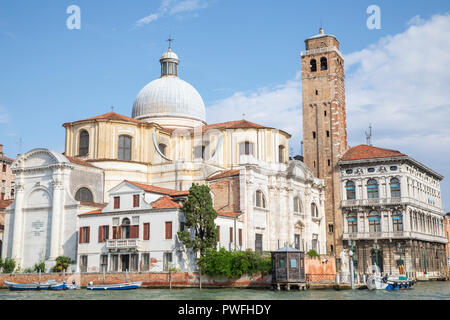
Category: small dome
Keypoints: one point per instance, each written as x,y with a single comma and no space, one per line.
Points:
169,54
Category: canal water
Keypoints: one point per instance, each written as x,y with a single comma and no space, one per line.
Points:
433,290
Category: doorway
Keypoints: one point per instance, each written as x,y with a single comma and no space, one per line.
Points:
125,259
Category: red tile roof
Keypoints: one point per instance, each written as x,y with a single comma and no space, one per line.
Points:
224,174
154,189
110,116
368,152
229,214
166,203
92,212
237,124
79,161
5,203
3,157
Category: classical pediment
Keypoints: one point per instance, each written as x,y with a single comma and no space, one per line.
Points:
38,158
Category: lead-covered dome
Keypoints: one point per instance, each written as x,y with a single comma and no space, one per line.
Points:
169,97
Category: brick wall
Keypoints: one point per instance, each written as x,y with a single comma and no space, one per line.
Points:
226,194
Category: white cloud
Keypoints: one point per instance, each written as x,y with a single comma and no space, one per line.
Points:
400,85
173,7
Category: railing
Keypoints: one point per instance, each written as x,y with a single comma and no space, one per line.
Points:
394,234
391,201
122,243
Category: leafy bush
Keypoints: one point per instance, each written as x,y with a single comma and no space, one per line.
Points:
62,263
234,264
8,265
313,254
39,267
28,270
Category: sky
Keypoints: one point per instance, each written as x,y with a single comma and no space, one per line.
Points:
243,57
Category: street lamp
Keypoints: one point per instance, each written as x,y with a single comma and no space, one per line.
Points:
376,246
351,243
400,250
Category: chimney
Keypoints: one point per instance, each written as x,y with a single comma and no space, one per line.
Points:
1,149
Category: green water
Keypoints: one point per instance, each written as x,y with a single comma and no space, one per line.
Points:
433,290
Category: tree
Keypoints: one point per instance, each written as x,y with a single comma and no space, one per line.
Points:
9,265
200,215
62,263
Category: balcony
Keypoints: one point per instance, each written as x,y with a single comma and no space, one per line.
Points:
116,244
391,201
394,235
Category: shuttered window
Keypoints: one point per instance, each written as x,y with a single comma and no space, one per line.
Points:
135,201
231,235
116,202
218,233
168,230
134,232
116,232
84,235
146,231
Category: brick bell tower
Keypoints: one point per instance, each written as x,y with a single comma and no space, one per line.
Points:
324,124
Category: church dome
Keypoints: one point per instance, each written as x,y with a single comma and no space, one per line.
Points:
169,97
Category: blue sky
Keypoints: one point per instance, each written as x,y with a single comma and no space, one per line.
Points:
242,57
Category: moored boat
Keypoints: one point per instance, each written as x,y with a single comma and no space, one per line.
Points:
49,285
401,282
120,286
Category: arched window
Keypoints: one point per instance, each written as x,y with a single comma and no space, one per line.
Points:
350,187
125,228
260,200
246,148
323,64
163,148
84,194
125,148
352,223
397,221
281,153
395,188
374,222
83,148
297,205
314,210
313,65
372,189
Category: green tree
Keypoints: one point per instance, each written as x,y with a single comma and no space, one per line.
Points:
9,265
200,215
62,263
40,267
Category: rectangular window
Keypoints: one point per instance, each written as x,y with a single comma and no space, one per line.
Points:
330,228
218,233
231,235
246,148
84,234
167,260
115,262
136,201
146,231
328,134
134,262
103,233
314,134
145,262
240,237
258,242
329,162
168,233
83,263
297,241
4,168
116,202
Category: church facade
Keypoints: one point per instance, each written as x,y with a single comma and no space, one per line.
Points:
263,198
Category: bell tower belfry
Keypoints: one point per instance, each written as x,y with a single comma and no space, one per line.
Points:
324,124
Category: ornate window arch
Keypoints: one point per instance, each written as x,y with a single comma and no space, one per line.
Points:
395,188
84,194
83,146
397,221
260,200
372,189
374,222
351,190
124,152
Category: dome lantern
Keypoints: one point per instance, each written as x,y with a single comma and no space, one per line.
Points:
169,62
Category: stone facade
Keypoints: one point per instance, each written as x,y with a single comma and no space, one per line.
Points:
392,212
324,124
447,235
